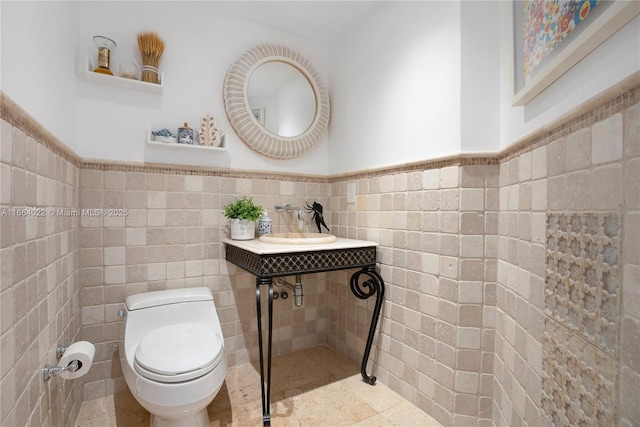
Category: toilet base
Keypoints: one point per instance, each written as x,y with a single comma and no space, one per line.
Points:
192,419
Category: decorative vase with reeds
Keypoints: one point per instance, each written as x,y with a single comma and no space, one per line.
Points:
151,49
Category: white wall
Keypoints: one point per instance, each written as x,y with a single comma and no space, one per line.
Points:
613,61
480,76
51,40
201,43
38,62
421,80
395,87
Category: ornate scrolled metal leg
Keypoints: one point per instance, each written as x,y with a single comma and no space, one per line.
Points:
266,387
371,286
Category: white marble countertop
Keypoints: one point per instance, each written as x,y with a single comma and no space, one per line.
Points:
260,248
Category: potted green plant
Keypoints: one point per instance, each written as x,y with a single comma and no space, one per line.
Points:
243,214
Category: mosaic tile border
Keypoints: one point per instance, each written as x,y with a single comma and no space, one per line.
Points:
461,160
613,101
118,166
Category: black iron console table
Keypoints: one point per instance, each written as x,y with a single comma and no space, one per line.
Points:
267,261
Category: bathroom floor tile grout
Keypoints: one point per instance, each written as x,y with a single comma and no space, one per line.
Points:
310,387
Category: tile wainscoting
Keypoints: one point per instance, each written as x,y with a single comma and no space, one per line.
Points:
462,249
40,303
463,252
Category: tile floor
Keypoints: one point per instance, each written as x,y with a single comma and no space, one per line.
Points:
312,387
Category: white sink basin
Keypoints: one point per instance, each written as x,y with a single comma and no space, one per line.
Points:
298,238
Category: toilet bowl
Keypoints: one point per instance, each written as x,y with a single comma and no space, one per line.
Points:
172,355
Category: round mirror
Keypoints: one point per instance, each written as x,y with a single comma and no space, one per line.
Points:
281,99
276,102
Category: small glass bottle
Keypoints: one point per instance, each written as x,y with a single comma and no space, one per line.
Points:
129,70
264,224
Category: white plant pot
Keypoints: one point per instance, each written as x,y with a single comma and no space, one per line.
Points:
242,229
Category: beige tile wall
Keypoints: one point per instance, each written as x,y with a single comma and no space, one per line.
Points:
437,230
169,236
39,289
461,333
64,278
629,374
521,254
590,167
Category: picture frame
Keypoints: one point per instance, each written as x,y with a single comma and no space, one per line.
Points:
608,17
258,113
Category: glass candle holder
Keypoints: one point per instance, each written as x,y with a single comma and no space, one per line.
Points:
105,45
129,70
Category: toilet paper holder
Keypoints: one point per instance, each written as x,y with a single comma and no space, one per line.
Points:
49,371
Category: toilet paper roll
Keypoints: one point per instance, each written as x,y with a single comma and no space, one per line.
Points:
83,352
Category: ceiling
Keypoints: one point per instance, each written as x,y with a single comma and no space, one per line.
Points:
320,21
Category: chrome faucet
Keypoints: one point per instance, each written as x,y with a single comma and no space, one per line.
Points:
290,208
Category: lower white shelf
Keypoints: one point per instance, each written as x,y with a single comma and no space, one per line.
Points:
176,146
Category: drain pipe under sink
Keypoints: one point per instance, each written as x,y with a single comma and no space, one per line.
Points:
296,288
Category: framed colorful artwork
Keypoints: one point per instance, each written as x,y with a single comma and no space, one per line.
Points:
551,36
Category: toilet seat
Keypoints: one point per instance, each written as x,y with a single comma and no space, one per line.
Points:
179,352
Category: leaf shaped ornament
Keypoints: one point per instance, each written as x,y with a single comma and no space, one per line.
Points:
209,131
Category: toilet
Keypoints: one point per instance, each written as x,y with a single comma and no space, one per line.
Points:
173,355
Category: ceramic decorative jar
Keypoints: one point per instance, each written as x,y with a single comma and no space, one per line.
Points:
186,135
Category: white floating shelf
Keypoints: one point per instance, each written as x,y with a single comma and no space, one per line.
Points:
121,82
176,146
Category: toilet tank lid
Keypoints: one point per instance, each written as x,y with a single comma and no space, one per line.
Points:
170,296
